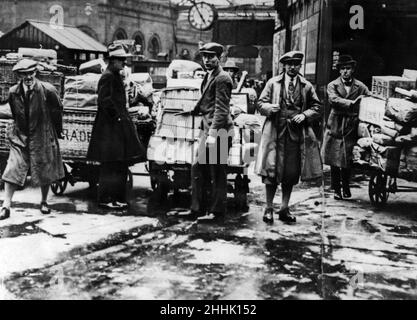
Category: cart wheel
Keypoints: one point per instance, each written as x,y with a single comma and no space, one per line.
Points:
58,187
378,191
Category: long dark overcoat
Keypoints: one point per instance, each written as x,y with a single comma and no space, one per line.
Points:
342,126
114,136
34,148
267,162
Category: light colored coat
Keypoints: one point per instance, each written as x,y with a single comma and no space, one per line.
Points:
37,151
266,163
342,126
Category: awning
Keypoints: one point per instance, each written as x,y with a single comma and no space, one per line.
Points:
69,36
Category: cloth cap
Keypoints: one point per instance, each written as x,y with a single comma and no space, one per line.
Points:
212,47
297,56
345,60
230,65
25,65
117,51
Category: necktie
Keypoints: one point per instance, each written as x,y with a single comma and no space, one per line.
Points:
291,89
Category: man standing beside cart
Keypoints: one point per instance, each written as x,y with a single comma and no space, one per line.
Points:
341,135
34,148
209,172
288,149
114,140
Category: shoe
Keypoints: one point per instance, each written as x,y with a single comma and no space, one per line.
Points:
111,206
4,213
210,217
44,208
285,216
338,195
346,192
123,205
268,215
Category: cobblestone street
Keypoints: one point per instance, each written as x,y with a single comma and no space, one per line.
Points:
337,250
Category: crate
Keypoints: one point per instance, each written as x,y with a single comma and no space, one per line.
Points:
383,87
6,72
171,125
181,99
4,91
5,127
76,131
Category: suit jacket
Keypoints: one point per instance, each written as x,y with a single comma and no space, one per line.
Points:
213,105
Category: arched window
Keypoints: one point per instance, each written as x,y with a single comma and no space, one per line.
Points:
139,40
89,31
120,34
154,46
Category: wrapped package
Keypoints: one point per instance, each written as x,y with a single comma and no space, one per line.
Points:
357,153
86,83
383,139
365,142
402,110
371,110
389,132
5,111
411,158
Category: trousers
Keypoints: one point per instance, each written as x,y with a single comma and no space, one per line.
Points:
112,182
340,177
209,184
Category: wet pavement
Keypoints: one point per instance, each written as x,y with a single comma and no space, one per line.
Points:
336,250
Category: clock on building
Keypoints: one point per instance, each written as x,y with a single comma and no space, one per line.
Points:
202,15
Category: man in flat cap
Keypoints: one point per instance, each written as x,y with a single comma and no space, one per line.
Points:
34,148
114,139
209,172
344,96
288,149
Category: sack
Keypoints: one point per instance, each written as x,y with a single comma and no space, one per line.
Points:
365,142
402,110
86,83
383,139
80,100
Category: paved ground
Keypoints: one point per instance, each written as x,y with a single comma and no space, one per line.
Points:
337,249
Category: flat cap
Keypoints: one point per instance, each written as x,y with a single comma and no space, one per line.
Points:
292,56
212,47
25,65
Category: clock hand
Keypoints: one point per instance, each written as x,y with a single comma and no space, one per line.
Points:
199,13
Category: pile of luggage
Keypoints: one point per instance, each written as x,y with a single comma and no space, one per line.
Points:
388,132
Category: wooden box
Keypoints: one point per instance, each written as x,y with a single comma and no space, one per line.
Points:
383,87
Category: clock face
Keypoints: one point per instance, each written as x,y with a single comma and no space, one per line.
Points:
202,16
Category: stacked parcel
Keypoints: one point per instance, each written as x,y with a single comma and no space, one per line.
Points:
388,130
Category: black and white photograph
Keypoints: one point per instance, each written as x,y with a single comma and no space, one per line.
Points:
224,152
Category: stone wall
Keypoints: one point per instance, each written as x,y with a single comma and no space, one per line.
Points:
102,19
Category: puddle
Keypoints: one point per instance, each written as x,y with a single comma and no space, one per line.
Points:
19,230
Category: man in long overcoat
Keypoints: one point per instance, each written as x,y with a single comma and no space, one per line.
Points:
34,148
344,95
288,148
114,140
209,173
